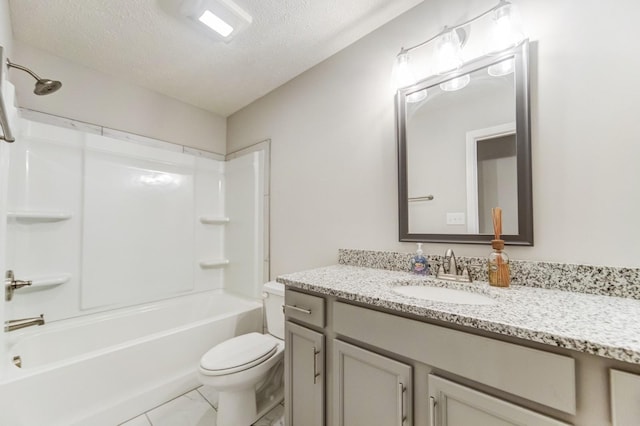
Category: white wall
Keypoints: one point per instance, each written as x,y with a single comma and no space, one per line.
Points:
334,172
6,38
94,97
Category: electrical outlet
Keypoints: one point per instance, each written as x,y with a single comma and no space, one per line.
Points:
455,218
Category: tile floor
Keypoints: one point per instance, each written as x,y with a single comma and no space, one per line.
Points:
196,408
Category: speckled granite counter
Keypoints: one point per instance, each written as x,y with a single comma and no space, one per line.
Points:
599,325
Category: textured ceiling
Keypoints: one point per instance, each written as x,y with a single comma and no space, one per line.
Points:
140,42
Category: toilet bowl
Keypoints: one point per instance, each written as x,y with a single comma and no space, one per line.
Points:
247,370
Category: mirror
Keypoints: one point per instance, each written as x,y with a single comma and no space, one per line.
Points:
463,148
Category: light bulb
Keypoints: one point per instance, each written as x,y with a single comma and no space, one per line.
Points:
402,75
456,83
501,68
448,52
507,28
417,96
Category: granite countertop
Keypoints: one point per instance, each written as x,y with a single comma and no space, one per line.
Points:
600,325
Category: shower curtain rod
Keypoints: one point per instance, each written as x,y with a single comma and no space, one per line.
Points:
4,121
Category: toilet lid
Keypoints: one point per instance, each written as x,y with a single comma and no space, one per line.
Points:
237,354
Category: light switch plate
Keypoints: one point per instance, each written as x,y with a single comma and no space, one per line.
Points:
455,219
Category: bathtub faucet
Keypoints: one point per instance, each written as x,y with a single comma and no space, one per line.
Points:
17,324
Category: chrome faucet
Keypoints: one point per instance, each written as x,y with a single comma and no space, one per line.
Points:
17,324
452,265
11,285
448,269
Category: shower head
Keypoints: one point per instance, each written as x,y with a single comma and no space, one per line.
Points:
44,86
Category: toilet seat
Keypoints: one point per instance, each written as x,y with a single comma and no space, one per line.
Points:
238,354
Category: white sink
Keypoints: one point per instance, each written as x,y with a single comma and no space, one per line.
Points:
441,294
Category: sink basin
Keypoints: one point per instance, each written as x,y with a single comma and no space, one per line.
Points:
441,294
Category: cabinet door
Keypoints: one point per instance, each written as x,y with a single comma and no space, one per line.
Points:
456,405
370,389
625,398
304,376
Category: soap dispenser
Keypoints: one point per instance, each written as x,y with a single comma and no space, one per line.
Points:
419,263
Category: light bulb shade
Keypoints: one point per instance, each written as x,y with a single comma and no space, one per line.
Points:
418,96
502,68
402,74
448,52
455,83
507,28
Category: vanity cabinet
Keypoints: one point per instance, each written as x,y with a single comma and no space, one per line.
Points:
304,358
348,364
451,404
304,376
625,398
370,389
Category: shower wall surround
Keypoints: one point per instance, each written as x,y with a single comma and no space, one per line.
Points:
100,222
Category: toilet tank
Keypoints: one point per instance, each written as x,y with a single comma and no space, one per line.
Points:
273,301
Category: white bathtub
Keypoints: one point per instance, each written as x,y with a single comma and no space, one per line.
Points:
105,368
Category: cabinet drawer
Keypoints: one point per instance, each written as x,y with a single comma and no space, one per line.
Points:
539,376
625,398
304,307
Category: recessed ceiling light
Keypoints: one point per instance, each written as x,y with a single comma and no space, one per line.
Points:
212,21
224,17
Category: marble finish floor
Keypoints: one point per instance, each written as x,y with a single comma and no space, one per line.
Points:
196,408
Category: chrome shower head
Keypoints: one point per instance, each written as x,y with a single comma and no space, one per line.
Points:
44,86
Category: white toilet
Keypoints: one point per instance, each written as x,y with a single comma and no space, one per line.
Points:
247,370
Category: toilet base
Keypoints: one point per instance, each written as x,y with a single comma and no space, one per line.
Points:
242,409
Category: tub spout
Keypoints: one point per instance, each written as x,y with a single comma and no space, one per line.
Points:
17,324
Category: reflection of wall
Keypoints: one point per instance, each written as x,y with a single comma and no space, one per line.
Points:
436,131
334,174
498,183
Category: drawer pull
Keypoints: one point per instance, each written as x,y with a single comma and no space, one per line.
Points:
295,308
432,409
315,365
401,391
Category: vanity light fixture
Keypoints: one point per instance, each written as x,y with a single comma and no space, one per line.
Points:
449,51
507,27
403,76
506,33
222,19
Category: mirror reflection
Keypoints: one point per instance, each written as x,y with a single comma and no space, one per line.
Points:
463,149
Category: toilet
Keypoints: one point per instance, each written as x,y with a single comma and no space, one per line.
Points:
248,370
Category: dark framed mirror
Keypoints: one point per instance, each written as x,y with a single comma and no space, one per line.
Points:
464,146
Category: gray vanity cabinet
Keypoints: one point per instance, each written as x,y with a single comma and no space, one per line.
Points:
304,376
386,369
452,404
369,389
625,398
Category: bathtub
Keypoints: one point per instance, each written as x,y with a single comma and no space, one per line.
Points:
103,369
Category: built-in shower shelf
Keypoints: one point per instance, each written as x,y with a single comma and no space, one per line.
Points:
214,220
39,216
44,281
211,264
